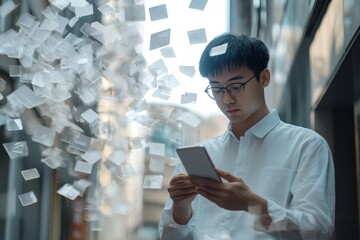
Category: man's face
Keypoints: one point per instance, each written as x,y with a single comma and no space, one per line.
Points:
240,108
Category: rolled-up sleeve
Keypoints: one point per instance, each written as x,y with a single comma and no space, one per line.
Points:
169,229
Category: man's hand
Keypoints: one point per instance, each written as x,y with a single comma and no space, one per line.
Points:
232,195
182,192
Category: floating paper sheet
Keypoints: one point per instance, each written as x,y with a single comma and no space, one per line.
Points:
73,21
137,143
83,167
6,8
28,23
81,185
168,81
118,157
187,70
27,199
60,4
156,165
158,12
189,119
188,98
53,162
69,191
157,148
127,170
81,143
39,79
158,67
162,92
62,21
122,208
52,157
14,71
14,124
90,116
69,134
197,36
2,85
73,40
145,120
175,137
160,39
30,174
27,97
153,181
92,157
78,3
134,12
198,4
48,25
83,11
16,149
218,50
168,52
43,135
106,10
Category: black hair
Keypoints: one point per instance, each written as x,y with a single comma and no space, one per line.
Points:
242,50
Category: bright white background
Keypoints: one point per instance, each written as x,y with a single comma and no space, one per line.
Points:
181,19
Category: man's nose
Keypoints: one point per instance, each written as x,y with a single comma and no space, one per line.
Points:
227,98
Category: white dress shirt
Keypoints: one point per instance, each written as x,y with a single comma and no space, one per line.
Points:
290,166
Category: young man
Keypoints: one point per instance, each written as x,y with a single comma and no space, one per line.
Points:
278,179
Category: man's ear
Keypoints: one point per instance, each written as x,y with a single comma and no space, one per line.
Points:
265,78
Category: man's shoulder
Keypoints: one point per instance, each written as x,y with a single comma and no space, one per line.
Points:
303,133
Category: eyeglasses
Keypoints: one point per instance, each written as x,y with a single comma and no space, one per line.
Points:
233,89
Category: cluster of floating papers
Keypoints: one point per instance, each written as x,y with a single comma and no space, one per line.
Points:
56,65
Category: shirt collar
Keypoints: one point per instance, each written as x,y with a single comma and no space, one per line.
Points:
261,128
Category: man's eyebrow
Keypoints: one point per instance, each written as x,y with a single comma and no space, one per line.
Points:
236,78
229,80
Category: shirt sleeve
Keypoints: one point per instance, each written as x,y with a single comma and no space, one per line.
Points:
168,228
311,211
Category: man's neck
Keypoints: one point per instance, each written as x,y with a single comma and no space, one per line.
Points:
239,129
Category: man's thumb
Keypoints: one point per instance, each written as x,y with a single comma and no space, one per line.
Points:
227,176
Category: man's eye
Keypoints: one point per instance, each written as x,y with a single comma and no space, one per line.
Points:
216,90
236,86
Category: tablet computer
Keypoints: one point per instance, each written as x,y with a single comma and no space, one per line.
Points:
197,162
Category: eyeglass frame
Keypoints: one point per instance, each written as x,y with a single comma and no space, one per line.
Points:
226,88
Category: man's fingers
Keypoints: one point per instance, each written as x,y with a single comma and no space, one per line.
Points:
227,176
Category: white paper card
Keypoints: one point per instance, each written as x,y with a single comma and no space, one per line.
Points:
160,39
27,199
188,98
197,36
158,12
218,50
153,181
30,174
14,124
157,148
83,167
16,149
118,157
92,156
69,191
157,165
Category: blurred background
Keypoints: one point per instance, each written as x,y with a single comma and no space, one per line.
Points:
95,96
